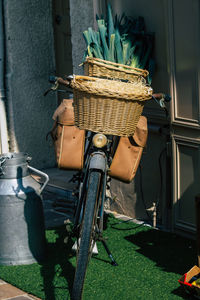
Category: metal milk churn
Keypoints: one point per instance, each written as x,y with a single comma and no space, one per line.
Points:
22,232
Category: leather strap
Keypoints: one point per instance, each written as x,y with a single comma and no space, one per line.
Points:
64,114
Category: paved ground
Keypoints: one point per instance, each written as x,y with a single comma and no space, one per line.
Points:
8,291
58,200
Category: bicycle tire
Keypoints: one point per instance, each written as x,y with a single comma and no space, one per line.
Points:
87,232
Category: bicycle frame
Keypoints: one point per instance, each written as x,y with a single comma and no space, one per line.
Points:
88,224
96,160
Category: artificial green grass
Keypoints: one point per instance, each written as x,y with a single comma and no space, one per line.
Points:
150,262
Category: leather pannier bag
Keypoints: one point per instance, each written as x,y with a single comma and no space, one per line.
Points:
69,141
129,152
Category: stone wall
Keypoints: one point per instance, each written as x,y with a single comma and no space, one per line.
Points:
30,60
81,17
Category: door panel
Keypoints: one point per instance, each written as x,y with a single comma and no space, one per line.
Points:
186,37
184,45
62,34
187,174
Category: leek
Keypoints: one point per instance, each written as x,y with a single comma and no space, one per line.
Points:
87,38
126,45
102,31
121,39
135,62
96,50
98,38
89,51
110,23
131,54
95,43
118,47
112,48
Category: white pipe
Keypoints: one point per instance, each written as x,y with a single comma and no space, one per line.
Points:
3,120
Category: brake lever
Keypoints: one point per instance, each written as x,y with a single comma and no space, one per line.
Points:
56,80
52,88
162,104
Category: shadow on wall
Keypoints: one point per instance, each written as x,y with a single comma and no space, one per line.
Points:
133,198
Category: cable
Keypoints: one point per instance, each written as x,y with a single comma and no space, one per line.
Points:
161,185
142,194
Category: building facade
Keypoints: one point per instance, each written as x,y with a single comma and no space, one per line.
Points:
43,38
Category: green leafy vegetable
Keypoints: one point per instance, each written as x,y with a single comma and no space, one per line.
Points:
123,40
103,35
111,29
112,48
118,47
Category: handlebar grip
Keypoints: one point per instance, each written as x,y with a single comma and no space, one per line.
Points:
52,79
55,79
167,98
159,96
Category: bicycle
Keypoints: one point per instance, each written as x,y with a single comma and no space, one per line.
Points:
93,179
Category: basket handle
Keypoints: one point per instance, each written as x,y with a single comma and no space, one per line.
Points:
112,65
86,77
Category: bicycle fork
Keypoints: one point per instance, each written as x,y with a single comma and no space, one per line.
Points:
98,161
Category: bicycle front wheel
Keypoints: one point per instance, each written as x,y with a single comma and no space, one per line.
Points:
87,233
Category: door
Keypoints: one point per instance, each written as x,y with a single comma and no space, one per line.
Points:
62,39
184,45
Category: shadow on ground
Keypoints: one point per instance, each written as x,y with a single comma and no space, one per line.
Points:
58,265
170,252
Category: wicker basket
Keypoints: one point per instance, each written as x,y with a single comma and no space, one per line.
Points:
96,67
110,107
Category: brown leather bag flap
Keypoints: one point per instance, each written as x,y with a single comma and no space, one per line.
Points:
141,132
128,154
70,151
126,160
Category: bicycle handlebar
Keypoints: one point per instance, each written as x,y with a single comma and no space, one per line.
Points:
66,82
60,80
